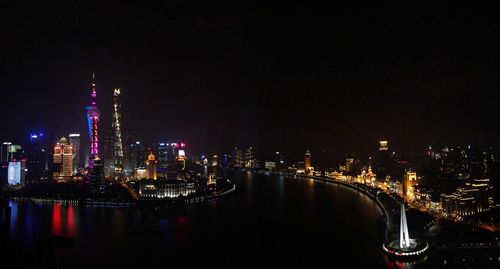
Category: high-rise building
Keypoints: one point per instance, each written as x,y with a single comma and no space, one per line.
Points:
307,161
238,157
383,145
63,159
117,146
93,124
10,152
37,157
16,172
107,155
409,181
384,162
151,166
171,158
163,156
136,155
4,151
349,164
181,157
279,160
249,158
96,178
74,140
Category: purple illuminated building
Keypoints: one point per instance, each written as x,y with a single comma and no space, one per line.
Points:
93,122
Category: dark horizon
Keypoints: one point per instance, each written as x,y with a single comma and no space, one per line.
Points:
278,78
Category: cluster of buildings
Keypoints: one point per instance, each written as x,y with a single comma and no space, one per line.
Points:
455,181
111,154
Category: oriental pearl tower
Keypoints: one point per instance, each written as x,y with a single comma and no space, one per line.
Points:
93,123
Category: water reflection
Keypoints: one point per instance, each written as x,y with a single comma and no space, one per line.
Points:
267,213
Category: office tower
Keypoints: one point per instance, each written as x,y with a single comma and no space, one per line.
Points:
37,157
93,124
181,156
136,155
117,146
151,166
163,155
349,163
16,172
4,151
249,158
74,140
307,161
383,145
409,180
107,154
238,157
279,160
384,163
96,178
63,159
10,152
128,142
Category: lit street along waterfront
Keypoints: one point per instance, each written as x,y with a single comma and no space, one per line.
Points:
294,222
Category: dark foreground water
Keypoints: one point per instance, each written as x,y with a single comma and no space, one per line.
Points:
295,223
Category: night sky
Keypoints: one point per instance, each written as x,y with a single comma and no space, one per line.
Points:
277,76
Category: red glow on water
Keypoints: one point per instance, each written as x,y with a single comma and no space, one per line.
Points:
181,221
71,221
56,219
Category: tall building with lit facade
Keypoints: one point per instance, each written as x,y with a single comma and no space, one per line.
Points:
307,161
151,166
383,145
384,163
74,140
136,155
409,181
63,159
107,154
249,158
238,159
171,158
37,157
117,145
180,159
93,124
96,178
165,154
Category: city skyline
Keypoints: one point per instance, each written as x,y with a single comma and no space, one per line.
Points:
192,134
336,82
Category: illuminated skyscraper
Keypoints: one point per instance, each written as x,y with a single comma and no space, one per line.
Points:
93,123
249,159
96,178
74,140
118,146
151,166
307,161
63,159
238,157
36,156
136,155
383,145
107,141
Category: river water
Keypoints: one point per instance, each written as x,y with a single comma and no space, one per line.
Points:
268,220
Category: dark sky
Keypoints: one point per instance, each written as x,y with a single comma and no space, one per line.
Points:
275,75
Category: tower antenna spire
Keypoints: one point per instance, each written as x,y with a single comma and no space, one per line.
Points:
93,122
